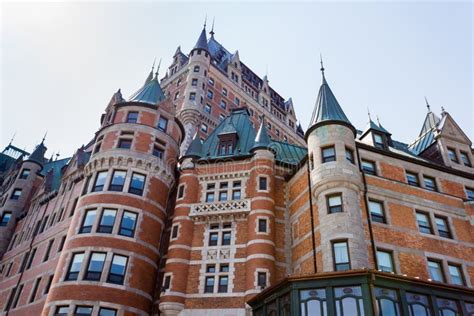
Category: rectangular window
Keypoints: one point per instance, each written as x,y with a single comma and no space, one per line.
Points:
226,236
17,296
223,104
196,68
436,270
203,128
86,185
118,180
262,279
211,268
223,284
210,197
61,243
192,96
224,268
341,256
456,275
424,223
209,286
107,312
378,141
430,183
34,290
128,224
61,311
48,284
6,216
262,225
31,258
25,173
48,250
99,181
158,152
132,117
167,282
329,154
75,266
207,108
224,92
88,221
262,183
210,94
236,195
16,194
213,239
237,101
117,269
334,203
96,264
443,227
174,231
368,167
137,183
377,213
194,82
181,191
469,194
385,261
107,221
211,81
349,155
452,155
412,179
162,124
223,196
125,143
83,311
465,159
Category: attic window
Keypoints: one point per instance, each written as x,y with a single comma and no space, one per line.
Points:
465,159
378,141
452,155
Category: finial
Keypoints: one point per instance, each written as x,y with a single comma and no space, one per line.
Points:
57,155
153,66
321,61
44,137
158,69
427,105
368,113
205,21
378,120
443,111
11,140
212,28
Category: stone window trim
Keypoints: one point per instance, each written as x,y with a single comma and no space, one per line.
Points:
434,228
385,213
118,219
217,189
332,195
267,190
88,251
178,233
255,283
95,305
435,182
168,289
333,252
268,226
445,261
216,274
108,179
394,250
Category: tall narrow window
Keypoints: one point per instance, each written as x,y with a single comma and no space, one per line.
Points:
223,284
223,104
117,269
334,203
377,213
412,179
203,128
124,143
132,117
341,256
48,250
209,286
25,173
6,216
88,221
158,152
236,193
465,159
167,282
430,183
174,231
262,225
137,184
107,221
368,167
226,237
61,243
48,284
213,239
262,184
210,94
192,96
194,82
16,194
128,223
436,270
31,258
455,272
75,266
385,261
207,108
86,185
452,155
96,264
378,141
329,154
99,181
424,223
118,180
262,279
223,191
34,290
162,124
349,155
17,296
181,191
443,227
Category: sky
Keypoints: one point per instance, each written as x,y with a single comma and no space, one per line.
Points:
60,62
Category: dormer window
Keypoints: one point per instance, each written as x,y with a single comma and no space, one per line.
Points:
379,141
465,159
452,155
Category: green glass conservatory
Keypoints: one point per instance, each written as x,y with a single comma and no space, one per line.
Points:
362,292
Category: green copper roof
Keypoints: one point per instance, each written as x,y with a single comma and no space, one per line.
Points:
53,172
327,108
427,134
149,93
195,148
371,125
246,141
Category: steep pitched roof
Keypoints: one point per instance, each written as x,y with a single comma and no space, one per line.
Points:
202,41
327,108
150,93
262,140
195,148
427,134
53,172
371,125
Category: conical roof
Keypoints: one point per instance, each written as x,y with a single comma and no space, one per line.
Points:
38,154
371,125
195,148
327,108
202,41
262,140
149,93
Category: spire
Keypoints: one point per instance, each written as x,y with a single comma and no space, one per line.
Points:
11,140
427,105
151,92
195,148
157,69
150,75
202,40
322,67
38,154
212,28
327,108
262,140
368,113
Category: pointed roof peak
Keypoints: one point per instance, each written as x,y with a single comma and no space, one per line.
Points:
212,28
262,140
151,91
195,148
202,40
427,105
322,68
38,153
157,69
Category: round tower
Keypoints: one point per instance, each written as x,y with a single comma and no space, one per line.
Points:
111,256
336,185
195,90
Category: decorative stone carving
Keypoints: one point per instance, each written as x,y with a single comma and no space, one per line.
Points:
228,209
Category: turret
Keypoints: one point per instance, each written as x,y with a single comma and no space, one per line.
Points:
336,183
195,91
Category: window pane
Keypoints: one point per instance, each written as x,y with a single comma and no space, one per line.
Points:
118,180
137,183
127,226
340,252
384,260
117,269
107,221
99,181
75,266
456,276
436,272
89,220
96,264
226,238
107,312
83,311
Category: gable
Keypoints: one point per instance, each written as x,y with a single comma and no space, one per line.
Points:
451,130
